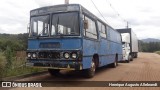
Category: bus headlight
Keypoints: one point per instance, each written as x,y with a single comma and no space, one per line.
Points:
74,55
66,55
34,55
29,55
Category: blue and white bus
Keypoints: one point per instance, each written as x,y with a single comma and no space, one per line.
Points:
71,37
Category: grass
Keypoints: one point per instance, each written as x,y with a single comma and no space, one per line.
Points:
158,52
21,71
2,64
17,68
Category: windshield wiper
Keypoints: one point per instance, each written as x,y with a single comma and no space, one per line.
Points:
41,33
58,31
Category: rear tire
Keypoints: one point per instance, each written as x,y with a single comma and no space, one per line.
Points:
115,64
54,72
136,55
89,73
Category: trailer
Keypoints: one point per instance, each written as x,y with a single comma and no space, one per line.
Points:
130,38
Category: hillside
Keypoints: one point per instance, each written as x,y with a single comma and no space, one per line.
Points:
150,40
14,41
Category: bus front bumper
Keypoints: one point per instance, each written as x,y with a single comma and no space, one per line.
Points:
57,64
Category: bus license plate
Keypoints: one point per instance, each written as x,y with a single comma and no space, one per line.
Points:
29,64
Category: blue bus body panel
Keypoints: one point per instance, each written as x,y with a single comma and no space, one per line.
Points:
106,48
65,43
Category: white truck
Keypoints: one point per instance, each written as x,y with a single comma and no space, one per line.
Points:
129,44
126,47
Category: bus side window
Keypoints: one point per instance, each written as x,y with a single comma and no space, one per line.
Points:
91,31
85,24
84,30
102,29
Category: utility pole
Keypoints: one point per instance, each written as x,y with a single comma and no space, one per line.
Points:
66,1
127,25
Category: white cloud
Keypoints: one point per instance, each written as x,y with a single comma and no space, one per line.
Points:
14,15
143,15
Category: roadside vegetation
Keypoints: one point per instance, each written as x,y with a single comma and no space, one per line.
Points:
158,52
149,47
12,56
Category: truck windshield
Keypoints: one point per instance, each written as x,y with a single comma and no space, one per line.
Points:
65,24
39,26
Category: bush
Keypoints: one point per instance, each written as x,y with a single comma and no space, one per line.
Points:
158,52
8,55
9,64
2,65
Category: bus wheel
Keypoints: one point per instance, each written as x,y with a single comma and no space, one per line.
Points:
89,73
113,65
53,72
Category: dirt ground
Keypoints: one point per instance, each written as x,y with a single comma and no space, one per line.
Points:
144,68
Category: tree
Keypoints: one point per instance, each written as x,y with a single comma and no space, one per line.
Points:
8,55
149,47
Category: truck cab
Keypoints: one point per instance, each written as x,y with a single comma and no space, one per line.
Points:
129,36
126,47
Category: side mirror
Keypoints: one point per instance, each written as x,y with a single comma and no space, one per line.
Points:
28,28
86,24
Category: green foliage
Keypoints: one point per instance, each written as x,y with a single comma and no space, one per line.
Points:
22,71
9,64
8,55
16,42
2,64
149,47
158,52
19,68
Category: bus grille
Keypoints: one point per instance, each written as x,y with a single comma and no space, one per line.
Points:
49,55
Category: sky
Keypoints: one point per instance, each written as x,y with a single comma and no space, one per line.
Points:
143,16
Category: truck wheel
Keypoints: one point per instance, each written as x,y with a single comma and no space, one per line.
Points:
115,64
89,73
53,72
129,59
136,55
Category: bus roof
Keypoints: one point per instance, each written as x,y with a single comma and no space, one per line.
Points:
64,8
55,8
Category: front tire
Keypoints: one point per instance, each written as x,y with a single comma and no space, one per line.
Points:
129,59
89,73
54,72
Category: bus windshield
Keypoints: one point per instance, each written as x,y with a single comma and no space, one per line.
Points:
40,26
65,24
61,24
